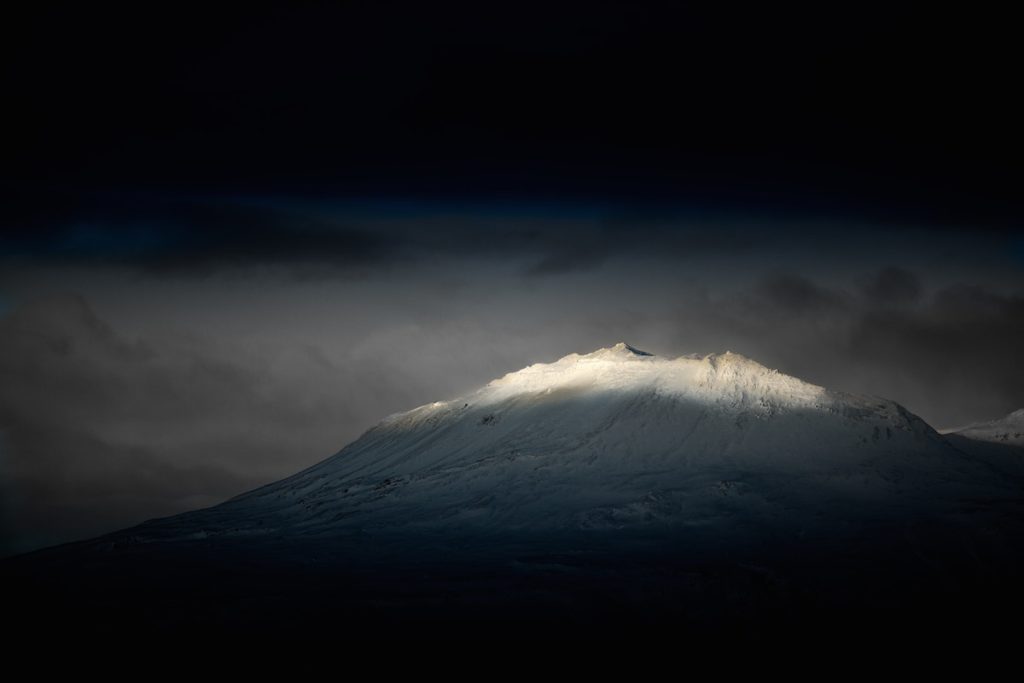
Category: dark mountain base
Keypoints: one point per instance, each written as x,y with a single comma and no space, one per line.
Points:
829,593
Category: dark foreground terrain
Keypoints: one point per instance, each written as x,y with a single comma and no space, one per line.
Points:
926,584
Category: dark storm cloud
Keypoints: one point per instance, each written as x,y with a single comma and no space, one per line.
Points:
680,234
567,261
306,238
796,295
964,341
186,236
893,286
172,234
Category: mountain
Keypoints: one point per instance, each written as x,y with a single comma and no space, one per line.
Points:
606,488
1006,430
998,443
614,439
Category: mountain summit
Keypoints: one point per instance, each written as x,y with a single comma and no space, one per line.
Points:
626,348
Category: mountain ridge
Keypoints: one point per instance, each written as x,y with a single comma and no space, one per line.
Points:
1008,429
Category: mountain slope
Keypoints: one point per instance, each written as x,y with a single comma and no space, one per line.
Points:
999,443
1006,430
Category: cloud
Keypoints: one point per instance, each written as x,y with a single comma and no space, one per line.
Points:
185,236
567,260
101,430
795,295
172,235
893,286
949,354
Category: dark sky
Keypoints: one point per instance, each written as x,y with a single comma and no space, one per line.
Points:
233,240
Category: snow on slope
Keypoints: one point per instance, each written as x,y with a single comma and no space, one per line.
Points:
1006,430
614,439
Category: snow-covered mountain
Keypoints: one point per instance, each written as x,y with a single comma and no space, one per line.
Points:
613,440
597,493
1006,430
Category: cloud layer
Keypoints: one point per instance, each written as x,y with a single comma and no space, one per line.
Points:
101,430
